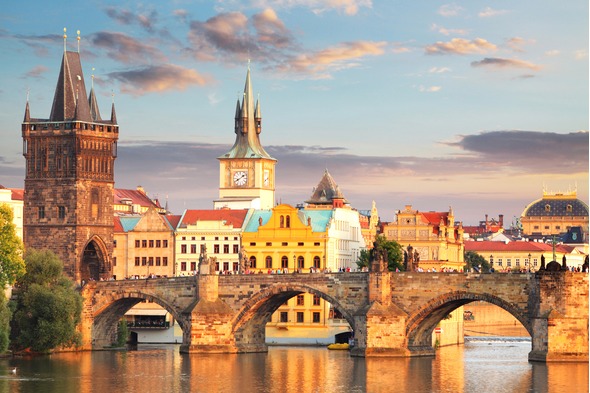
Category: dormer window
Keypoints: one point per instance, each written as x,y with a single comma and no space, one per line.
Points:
547,207
569,208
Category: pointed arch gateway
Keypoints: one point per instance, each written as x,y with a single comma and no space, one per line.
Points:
94,261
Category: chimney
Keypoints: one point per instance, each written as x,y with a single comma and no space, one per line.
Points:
501,219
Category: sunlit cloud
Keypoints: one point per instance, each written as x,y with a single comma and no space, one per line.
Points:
158,79
429,89
439,70
345,55
126,49
495,62
460,46
348,7
489,12
37,72
581,54
517,43
448,10
446,31
552,53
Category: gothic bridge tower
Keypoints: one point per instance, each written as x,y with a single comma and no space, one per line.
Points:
247,171
70,157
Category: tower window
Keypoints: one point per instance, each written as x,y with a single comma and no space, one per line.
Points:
61,212
41,211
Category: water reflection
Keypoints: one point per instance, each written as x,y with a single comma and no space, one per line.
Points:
480,366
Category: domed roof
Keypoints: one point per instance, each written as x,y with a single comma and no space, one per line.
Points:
556,205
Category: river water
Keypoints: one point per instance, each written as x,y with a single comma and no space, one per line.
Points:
483,365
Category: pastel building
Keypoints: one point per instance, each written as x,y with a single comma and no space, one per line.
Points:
13,197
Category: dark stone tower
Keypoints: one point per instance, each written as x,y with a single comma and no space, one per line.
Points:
70,157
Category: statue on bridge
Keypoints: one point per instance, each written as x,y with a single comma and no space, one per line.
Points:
409,256
204,262
244,262
378,260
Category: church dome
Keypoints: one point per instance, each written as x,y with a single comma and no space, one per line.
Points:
557,205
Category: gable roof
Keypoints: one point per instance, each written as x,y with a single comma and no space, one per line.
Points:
491,246
230,216
326,191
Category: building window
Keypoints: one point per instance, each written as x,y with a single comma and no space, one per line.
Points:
158,243
165,243
144,243
114,243
202,238
535,260
253,262
183,248
316,300
284,317
226,248
41,211
284,244
268,262
517,262
61,212
143,261
253,244
500,262
193,248
282,222
158,261
183,266
316,317
216,248
114,261
301,300
193,266
136,261
569,208
299,316
316,262
165,261
288,221
300,262
547,207
284,262
151,261
137,244
268,244
236,249
300,244
316,244
151,244
216,237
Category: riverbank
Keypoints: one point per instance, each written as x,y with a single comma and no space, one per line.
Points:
490,320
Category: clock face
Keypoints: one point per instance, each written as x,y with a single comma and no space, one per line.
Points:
266,178
240,178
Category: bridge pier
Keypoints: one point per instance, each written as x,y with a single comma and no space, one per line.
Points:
210,321
560,323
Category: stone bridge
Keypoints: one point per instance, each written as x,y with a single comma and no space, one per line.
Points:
392,314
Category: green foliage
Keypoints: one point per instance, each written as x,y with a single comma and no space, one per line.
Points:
122,334
12,265
48,306
5,314
473,259
395,254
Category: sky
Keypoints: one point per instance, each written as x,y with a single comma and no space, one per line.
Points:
475,105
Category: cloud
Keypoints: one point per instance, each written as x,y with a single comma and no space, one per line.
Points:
489,12
338,57
449,10
232,35
495,62
439,70
446,31
552,53
158,79
460,46
581,54
430,89
37,72
125,17
125,49
348,7
516,43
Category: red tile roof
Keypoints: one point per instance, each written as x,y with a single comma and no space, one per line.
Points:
435,217
118,226
234,217
137,198
18,194
512,246
173,220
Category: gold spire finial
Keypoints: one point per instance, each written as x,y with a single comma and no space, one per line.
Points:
78,32
65,37
248,64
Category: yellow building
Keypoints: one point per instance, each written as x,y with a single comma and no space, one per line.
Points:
555,214
14,197
433,238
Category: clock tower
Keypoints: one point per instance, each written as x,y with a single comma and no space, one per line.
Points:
247,171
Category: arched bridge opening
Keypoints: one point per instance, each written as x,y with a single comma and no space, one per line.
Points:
249,324
106,320
421,324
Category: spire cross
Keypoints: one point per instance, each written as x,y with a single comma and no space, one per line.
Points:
78,41
65,37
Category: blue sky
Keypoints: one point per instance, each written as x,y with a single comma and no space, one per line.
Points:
470,104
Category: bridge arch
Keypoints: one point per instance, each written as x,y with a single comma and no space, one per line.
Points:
115,304
249,323
421,324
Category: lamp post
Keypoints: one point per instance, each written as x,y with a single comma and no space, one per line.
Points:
528,263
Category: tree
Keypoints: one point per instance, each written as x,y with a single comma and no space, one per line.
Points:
48,306
474,260
12,265
395,254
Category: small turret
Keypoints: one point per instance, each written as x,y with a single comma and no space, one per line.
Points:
27,113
